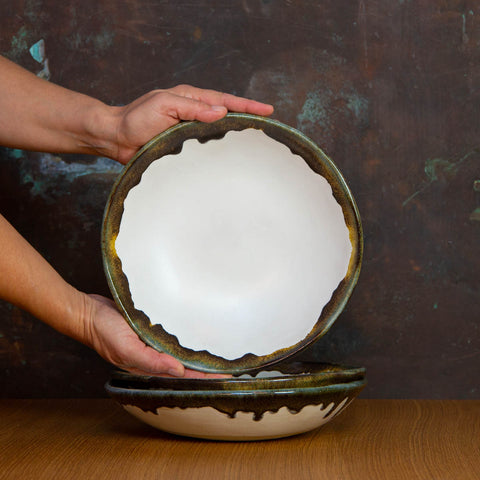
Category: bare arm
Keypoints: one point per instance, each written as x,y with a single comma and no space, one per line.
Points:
38,115
28,281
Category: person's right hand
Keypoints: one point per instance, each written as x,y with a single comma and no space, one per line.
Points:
106,331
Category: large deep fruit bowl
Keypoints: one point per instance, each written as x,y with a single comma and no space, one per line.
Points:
229,412
231,245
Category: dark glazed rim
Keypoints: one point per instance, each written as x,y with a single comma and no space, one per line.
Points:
295,375
231,402
170,142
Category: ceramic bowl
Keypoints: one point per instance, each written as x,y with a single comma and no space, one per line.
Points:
291,375
237,415
231,245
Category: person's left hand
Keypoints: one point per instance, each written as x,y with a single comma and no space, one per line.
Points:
156,111
110,335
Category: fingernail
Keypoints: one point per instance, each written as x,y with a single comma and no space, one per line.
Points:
177,371
218,108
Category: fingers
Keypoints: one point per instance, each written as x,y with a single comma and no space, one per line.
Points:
159,110
245,105
145,360
230,102
117,343
153,363
195,374
189,374
213,106
184,108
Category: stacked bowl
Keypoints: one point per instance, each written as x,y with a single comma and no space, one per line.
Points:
233,246
293,399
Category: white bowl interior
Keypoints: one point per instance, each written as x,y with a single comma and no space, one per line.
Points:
234,246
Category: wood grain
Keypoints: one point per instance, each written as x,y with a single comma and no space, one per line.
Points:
373,439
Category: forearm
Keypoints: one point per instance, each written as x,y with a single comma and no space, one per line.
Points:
38,115
41,116
28,281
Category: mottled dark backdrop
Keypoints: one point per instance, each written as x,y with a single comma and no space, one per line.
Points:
389,88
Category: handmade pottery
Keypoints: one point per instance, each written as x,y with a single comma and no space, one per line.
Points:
289,375
237,415
231,245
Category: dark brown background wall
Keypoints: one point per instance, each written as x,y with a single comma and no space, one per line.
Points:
390,89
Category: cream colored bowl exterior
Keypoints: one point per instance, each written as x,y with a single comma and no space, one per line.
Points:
209,423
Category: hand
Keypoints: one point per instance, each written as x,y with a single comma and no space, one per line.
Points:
63,121
151,114
111,336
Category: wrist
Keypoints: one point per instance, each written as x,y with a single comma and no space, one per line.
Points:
101,127
81,318
69,314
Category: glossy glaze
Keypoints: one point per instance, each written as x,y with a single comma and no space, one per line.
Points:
237,415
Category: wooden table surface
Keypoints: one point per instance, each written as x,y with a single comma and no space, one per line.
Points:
372,439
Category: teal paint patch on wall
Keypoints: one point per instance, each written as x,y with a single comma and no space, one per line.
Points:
316,109
50,176
19,44
324,107
97,43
